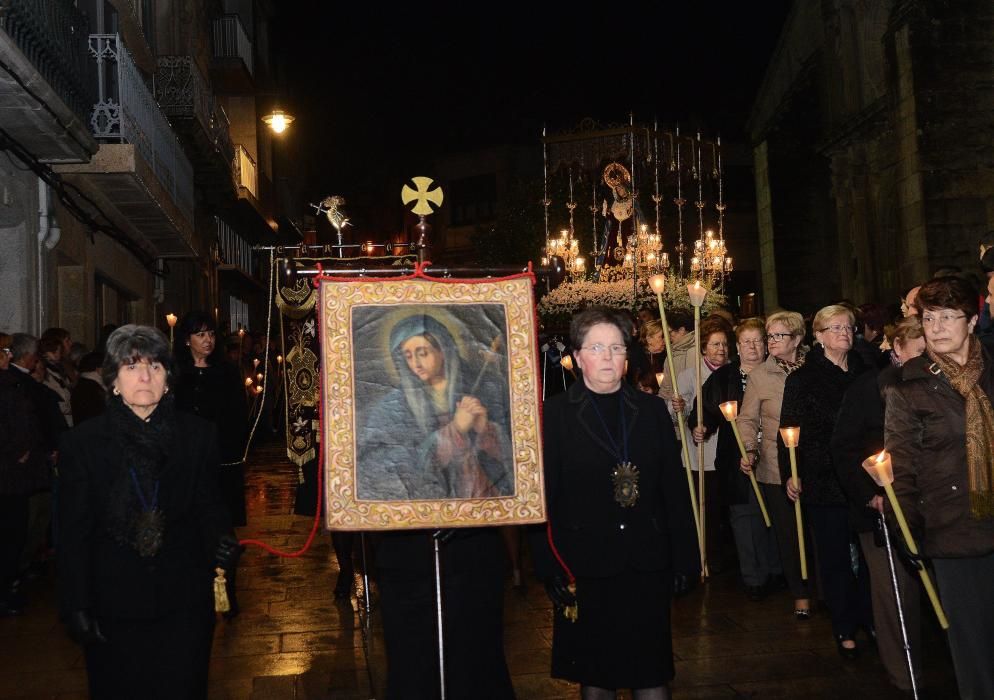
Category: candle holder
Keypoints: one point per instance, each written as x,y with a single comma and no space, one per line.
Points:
730,409
658,284
879,468
697,293
171,320
567,364
791,436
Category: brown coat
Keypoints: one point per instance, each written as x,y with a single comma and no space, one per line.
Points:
760,410
925,433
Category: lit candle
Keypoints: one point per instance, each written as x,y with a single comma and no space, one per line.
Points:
658,284
171,320
660,378
580,264
879,468
255,362
258,377
258,390
730,409
248,381
791,436
279,359
697,292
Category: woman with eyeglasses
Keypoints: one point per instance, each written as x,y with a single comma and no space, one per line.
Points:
759,560
713,354
939,430
621,529
811,399
759,422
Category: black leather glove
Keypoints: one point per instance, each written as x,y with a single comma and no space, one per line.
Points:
228,552
557,588
915,560
84,629
683,584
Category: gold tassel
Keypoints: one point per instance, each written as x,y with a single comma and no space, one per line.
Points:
221,603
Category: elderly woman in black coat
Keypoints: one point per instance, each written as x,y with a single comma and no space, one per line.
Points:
620,522
811,400
142,529
939,430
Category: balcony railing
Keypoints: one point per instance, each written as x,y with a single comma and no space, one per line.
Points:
126,111
233,249
52,35
246,172
231,41
183,91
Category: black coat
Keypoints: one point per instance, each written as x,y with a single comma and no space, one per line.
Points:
217,394
111,580
88,399
20,435
812,396
859,433
724,384
594,535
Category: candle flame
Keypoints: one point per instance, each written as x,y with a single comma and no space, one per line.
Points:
567,362
881,457
658,283
730,409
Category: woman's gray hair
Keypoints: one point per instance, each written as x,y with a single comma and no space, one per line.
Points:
131,343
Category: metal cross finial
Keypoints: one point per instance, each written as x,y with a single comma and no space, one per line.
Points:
421,196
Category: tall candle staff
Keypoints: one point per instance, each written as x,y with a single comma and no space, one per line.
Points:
658,284
881,471
791,437
730,409
697,293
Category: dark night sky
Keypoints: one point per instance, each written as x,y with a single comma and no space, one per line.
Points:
378,93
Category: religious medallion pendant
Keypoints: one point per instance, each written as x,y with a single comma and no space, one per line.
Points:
626,484
149,528
572,612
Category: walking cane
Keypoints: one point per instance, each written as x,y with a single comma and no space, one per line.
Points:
900,608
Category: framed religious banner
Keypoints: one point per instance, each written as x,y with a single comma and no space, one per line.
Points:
430,403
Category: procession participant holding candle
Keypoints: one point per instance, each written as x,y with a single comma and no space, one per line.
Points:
759,560
859,431
811,399
758,422
715,333
651,337
620,522
681,327
939,432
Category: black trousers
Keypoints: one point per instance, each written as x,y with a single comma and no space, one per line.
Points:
164,658
14,526
966,589
847,596
781,510
472,605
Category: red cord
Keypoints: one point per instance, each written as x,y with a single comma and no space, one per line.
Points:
555,552
314,528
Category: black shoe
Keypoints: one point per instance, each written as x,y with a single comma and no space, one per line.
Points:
755,593
845,653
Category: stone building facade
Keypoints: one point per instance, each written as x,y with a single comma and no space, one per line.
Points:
873,148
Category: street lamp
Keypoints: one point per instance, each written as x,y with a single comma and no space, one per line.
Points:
278,121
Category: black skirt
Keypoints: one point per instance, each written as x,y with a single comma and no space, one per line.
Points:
622,638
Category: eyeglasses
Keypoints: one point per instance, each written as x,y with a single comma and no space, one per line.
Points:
7,351
941,319
838,330
598,350
757,341
778,337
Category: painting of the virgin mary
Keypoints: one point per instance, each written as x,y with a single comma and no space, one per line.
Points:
436,425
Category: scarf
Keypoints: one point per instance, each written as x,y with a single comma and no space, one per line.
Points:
787,366
979,426
144,446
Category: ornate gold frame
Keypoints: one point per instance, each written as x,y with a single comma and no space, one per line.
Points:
337,302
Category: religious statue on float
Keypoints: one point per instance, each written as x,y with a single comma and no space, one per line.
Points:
622,216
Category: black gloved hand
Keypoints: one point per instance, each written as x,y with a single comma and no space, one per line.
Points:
683,584
915,560
84,629
557,588
228,552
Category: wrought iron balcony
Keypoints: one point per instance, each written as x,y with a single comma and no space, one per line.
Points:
185,96
140,170
233,67
43,45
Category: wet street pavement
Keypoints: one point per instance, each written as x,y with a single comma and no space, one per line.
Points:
292,640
